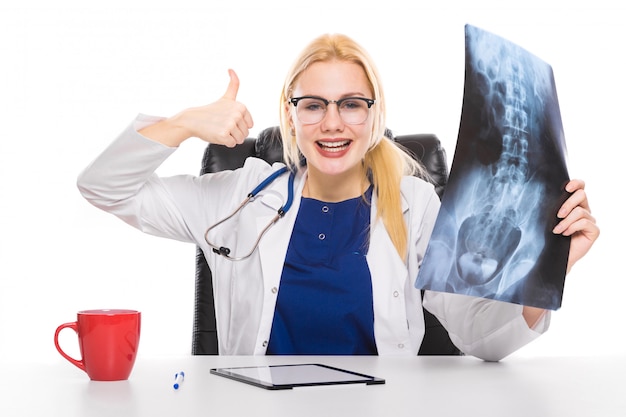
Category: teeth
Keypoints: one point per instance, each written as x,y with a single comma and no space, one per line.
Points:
334,146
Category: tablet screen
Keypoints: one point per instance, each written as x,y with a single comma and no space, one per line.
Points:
290,376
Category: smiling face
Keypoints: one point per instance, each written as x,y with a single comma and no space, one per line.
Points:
331,146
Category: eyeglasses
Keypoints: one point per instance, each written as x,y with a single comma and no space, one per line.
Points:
352,110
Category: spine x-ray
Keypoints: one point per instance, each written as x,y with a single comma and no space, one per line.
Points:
493,235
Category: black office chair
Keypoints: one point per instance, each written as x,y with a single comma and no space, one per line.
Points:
268,146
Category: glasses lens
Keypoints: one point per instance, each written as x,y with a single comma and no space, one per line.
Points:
310,110
352,110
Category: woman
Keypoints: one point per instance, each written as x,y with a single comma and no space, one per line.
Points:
335,273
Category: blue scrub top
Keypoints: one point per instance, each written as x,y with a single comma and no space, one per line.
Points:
325,303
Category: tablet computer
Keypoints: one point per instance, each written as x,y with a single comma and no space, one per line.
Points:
275,377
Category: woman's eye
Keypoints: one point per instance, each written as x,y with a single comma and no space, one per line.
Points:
352,104
314,106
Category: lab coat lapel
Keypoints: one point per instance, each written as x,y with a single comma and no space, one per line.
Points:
389,274
273,246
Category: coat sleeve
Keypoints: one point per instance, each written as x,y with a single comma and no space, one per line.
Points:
123,181
487,329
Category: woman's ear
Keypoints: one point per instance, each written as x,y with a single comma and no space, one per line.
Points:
292,129
289,118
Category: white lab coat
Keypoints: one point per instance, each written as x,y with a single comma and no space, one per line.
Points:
122,181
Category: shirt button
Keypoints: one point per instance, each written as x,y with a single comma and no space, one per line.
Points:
396,294
274,290
265,343
321,236
400,345
325,209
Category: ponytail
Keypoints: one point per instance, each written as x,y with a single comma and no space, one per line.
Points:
387,164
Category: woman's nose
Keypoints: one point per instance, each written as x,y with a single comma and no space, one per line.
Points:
332,119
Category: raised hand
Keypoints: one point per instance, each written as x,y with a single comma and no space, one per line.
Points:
225,121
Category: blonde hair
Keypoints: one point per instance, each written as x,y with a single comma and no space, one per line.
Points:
384,162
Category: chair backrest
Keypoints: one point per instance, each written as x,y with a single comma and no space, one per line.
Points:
268,146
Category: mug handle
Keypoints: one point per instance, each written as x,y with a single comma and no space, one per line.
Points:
74,326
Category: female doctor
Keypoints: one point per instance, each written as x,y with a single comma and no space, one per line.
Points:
320,259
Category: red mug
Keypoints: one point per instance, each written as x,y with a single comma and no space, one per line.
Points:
108,341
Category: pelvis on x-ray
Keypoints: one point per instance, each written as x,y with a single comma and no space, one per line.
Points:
493,237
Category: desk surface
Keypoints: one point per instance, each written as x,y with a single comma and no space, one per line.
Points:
417,386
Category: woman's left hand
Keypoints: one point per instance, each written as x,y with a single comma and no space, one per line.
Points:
577,222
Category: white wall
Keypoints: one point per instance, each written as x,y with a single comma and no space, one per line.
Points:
73,75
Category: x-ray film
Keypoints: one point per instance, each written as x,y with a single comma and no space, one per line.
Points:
493,235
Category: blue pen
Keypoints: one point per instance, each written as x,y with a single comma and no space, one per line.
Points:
178,379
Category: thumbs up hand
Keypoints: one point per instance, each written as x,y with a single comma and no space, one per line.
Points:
232,119
225,121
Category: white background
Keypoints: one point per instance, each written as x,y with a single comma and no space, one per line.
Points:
72,76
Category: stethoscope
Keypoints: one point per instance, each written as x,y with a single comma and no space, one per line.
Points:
224,251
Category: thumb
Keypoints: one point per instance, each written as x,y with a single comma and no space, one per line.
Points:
233,86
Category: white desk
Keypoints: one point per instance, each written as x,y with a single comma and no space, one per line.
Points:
418,386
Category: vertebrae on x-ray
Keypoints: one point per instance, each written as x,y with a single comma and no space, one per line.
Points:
488,238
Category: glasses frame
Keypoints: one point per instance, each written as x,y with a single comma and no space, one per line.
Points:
369,101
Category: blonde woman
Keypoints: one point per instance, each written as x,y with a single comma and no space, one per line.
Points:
322,259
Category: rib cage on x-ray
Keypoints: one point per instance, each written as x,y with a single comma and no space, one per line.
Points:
492,235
